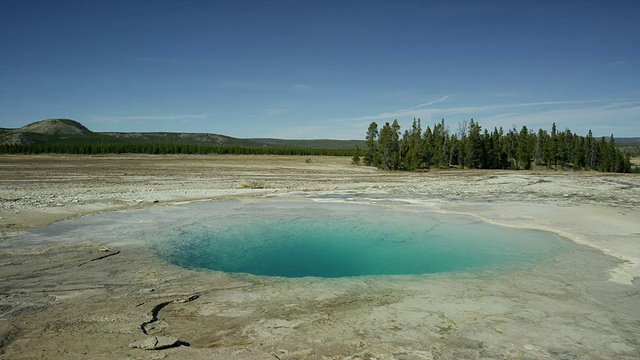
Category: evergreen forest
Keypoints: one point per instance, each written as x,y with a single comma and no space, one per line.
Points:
85,148
386,147
473,147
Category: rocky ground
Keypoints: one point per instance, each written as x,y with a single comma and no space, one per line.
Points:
87,299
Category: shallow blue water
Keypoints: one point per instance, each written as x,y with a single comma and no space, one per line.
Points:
342,240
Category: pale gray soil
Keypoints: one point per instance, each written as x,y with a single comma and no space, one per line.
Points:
83,298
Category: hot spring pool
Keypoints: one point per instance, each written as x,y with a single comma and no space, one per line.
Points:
342,240
320,239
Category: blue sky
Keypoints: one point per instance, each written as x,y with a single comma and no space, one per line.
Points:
320,69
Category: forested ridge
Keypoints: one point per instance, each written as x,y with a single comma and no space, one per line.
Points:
470,147
473,147
151,148
66,136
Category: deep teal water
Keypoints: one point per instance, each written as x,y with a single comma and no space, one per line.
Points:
343,240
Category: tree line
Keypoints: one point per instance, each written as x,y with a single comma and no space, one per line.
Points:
154,148
473,147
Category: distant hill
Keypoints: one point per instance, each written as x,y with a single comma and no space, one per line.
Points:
66,131
41,131
176,138
55,127
628,140
312,144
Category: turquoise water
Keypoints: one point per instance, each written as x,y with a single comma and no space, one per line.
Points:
343,240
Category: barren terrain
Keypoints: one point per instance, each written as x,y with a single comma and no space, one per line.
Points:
92,298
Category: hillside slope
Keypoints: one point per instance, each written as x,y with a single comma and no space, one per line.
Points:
55,127
66,131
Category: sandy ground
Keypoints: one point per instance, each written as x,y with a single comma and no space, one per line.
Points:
69,300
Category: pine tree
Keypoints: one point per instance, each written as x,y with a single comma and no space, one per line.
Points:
415,146
427,148
524,150
371,158
388,146
591,151
355,160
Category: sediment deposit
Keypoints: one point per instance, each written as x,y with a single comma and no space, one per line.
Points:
81,298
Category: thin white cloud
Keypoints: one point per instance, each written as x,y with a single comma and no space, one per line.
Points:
263,86
584,117
169,60
299,86
616,63
429,103
275,111
472,111
618,116
170,117
602,116
563,102
157,59
504,94
507,115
